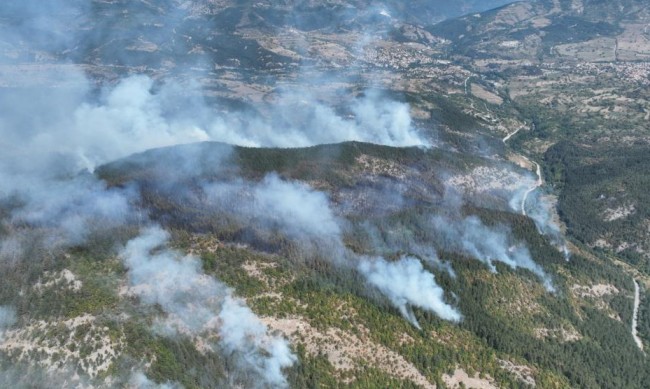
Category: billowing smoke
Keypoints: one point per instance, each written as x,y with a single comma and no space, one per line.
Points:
62,121
139,380
78,132
132,111
297,209
541,211
299,119
11,247
48,141
7,318
25,375
244,335
273,205
429,255
197,304
529,201
84,132
71,209
306,215
60,212
32,25
402,240
520,197
307,210
131,117
405,283
487,244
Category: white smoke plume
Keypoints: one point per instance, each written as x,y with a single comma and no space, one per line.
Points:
60,212
55,138
307,210
401,240
50,140
132,117
62,121
126,119
289,207
11,247
489,245
528,200
197,304
541,211
50,132
299,120
525,183
306,215
26,375
405,283
139,380
133,112
429,255
7,318
72,209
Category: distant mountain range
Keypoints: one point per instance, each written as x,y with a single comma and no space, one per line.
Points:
538,30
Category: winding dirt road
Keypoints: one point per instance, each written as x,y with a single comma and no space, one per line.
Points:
510,135
538,183
538,171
